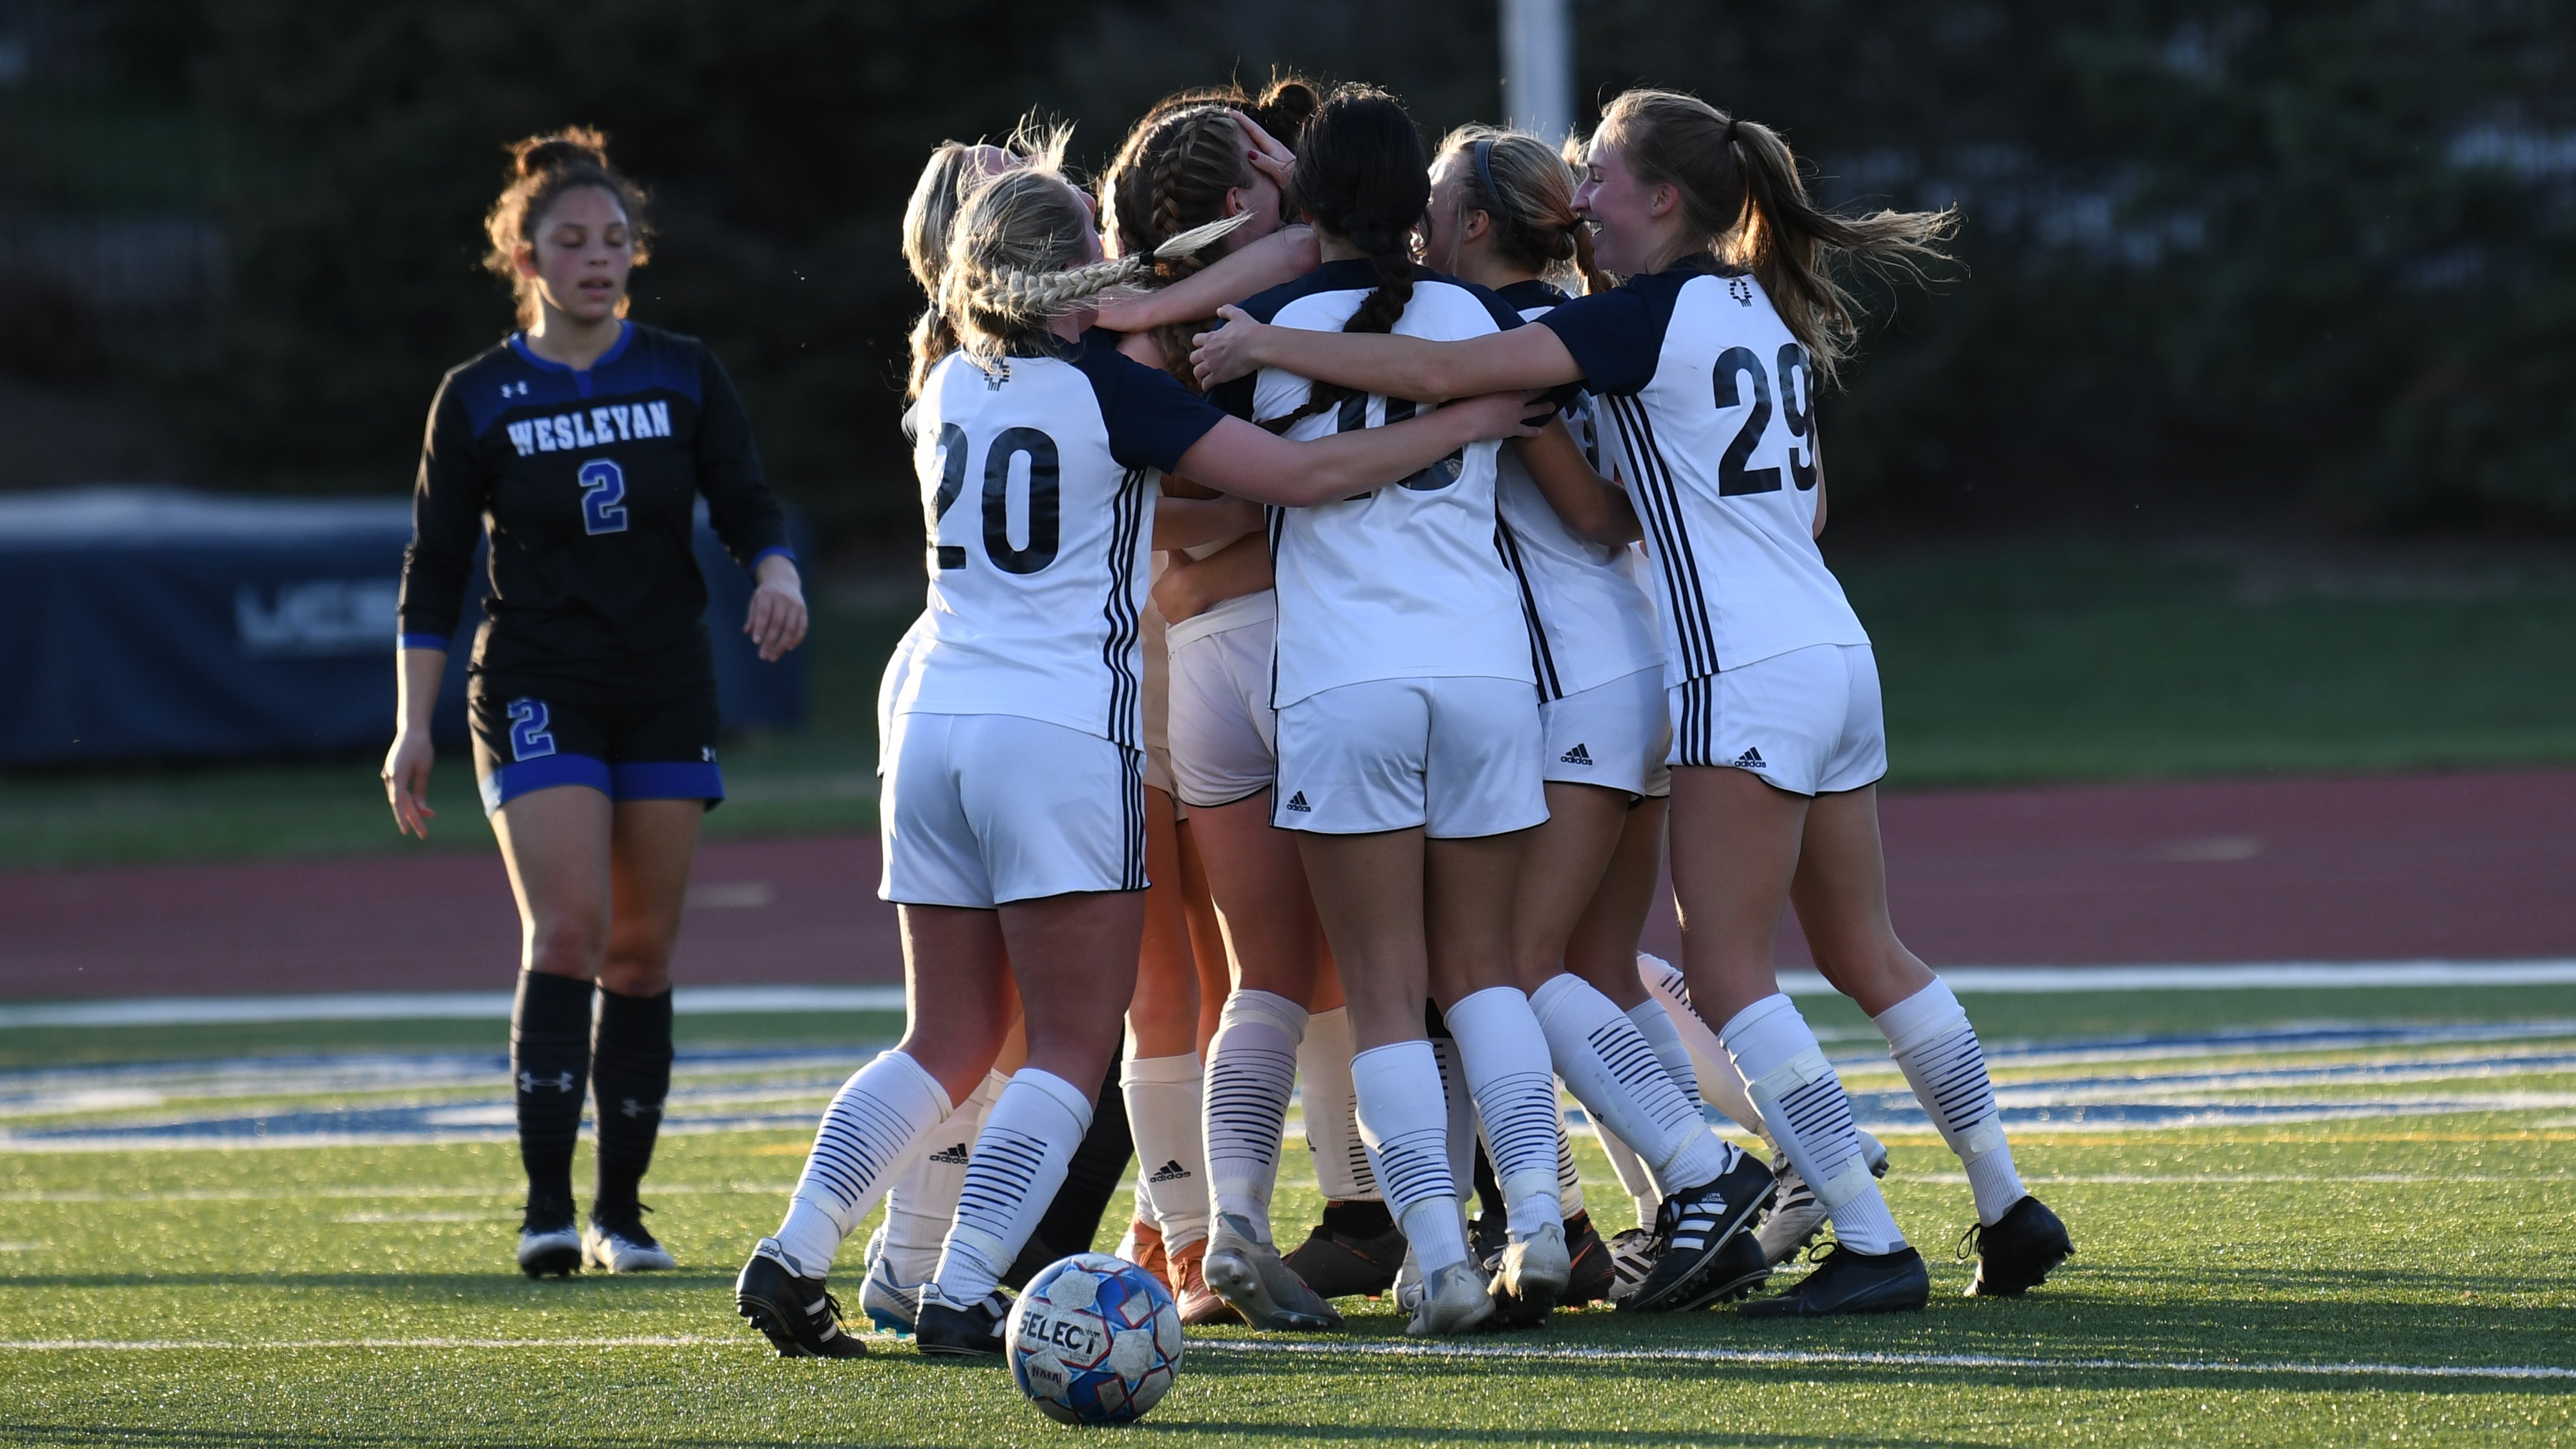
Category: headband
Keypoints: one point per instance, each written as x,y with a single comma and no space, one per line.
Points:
1484,157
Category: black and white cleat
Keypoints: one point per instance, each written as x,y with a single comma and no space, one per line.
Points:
942,1329
1691,1228
548,1241
1848,1282
1632,1256
797,1314
617,1242
2018,1252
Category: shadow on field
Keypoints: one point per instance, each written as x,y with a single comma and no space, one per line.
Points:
1589,1434
84,1436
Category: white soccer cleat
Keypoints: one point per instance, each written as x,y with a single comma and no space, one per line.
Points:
548,1241
623,1247
1454,1300
1534,1270
891,1306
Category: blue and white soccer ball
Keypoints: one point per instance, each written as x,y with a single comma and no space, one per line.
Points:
1094,1340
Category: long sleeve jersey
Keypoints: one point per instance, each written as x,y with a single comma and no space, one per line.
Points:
587,482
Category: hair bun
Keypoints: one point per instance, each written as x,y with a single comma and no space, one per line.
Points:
1286,107
570,147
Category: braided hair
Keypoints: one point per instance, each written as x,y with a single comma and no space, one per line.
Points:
1173,174
1362,178
1015,262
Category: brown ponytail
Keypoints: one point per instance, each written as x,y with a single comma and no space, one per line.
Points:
542,169
1743,200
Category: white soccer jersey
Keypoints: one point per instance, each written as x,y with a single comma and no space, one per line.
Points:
1038,484
1589,618
1706,403
1402,582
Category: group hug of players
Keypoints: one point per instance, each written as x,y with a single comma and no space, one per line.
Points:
1350,571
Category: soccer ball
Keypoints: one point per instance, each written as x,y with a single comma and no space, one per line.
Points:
1094,1340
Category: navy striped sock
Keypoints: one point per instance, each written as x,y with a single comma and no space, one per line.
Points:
1019,1163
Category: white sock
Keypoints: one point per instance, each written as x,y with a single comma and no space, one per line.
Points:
1163,1114
1702,1058
1632,1174
1020,1161
1569,1183
1458,1111
1929,1035
923,1200
1332,1128
1616,1075
1504,1051
1802,1100
1405,1126
1251,1069
869,1133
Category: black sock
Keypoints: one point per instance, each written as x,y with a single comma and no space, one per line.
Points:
1098,1169
1364,1218
630,1073
1489,1193
550,1068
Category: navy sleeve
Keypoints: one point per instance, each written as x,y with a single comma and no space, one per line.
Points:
1152,419
1617,337
739,504
447,502
1505,315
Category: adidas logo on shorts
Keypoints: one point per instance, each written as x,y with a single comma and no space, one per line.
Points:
1576,756
1298,802
1750,760
1170,1172
956,1154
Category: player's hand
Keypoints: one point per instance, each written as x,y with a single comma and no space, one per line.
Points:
1505,414
1226,353
1177,593
1267,156
407,782
777,620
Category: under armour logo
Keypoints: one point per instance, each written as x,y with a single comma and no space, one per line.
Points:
707,753
634,1109
530,1081
514,389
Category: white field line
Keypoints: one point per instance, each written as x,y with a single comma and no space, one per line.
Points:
717,1000
1346,1349
1795,1357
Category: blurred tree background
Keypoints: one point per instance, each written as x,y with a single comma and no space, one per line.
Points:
2225,264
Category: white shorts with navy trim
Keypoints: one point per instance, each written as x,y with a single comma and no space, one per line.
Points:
1457,757
1614,735
1223,732
1807,721
980,810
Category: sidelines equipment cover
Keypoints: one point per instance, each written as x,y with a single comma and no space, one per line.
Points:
156,623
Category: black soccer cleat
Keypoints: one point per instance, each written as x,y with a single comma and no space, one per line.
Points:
1691,1229
1357,1249
798,1316
1592,1274
1849,1282
1741,1270
944,1330
548,1241
2018,1252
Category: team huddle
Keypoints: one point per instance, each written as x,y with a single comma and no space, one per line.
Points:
1352,571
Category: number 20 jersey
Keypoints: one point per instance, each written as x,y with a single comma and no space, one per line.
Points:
1038,482
1707,406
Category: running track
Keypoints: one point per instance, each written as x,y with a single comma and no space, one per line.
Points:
2457,866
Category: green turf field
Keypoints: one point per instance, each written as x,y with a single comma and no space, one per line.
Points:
2345,1236
2002,664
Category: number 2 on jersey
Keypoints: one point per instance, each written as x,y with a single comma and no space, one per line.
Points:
603,497
1045,500
1797,413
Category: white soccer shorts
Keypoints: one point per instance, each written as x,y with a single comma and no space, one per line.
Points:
1223,733
1807,721
981,810
1614,735
1457,757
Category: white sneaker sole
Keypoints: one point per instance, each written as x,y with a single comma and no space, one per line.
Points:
616,1255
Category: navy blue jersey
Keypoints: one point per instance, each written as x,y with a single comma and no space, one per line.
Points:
588,483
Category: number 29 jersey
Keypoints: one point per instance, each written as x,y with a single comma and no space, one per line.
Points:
1038,483
1707,406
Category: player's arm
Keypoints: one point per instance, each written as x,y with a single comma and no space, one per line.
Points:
1590,504
1283,256
1189,522
746,515
1409,367
1191,587
447,502
1248,462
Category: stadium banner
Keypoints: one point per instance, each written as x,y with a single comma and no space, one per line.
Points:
162,624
